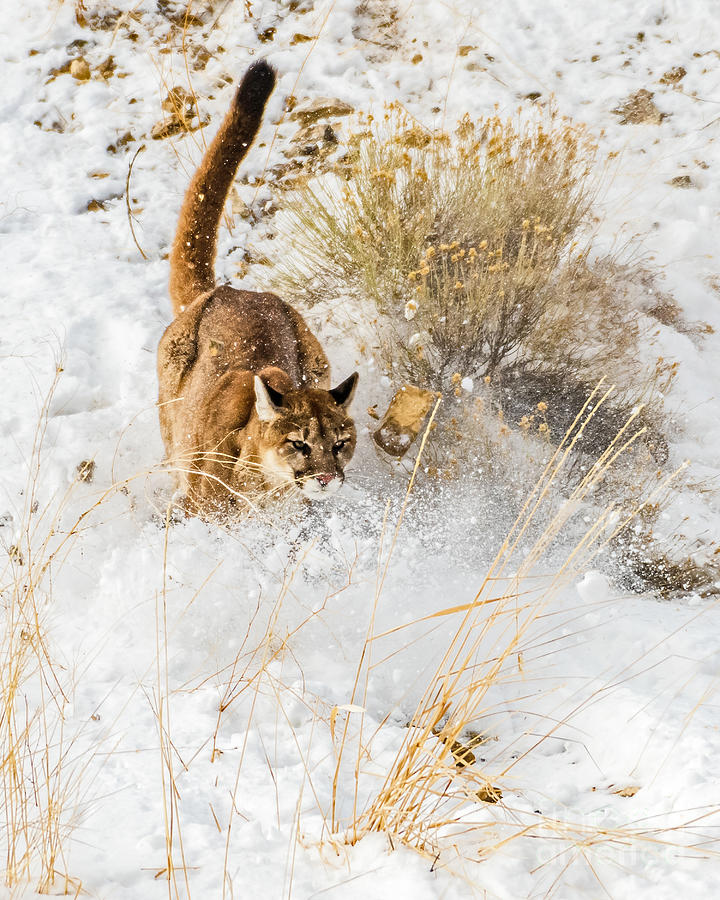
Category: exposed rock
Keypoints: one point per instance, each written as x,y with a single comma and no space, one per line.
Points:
86,470
286,174
167,128
320,108
639,109
79,69
58,126
674,75
681,181
178,101
97,21
267,35
106,68
238,206
315,134
97,205
402,422
463,755
121,142
200,57
180,106
628,791
179,14
75,47
313,140
489,794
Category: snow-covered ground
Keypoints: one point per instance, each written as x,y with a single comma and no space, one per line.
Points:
266,619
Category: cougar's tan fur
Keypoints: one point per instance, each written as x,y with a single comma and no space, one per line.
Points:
245,394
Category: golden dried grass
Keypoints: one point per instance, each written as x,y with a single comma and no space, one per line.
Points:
40,780
467,252
433,796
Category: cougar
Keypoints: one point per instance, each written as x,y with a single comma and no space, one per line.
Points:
244,385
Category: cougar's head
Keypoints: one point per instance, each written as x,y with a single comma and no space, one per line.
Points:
308,436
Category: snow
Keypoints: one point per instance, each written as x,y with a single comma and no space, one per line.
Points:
268,617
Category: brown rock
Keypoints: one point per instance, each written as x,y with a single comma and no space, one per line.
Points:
60,70
674,75
628,791
639,109
402,422
179,14
106,68
314,134
489,794
463,755
238,206
177,101
167,128
682,181
86,470
121,142
313,140
179,104
320,108
79,69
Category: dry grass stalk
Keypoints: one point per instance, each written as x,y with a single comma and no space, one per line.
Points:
255,675
39,785
42,775
161,709
358,697
432,788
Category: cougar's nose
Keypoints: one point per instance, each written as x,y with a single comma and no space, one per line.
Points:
325,479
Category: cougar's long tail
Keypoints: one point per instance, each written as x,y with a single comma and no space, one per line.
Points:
192,260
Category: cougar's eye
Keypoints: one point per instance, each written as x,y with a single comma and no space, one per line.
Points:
301,446
338,445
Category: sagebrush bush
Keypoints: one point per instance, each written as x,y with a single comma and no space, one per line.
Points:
469,252
470,255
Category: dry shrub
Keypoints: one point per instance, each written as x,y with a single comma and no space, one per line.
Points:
469,252
468,255
653,557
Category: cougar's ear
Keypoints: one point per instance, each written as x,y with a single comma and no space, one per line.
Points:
267,401
345,391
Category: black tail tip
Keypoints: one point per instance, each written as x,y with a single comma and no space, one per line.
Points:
256,86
